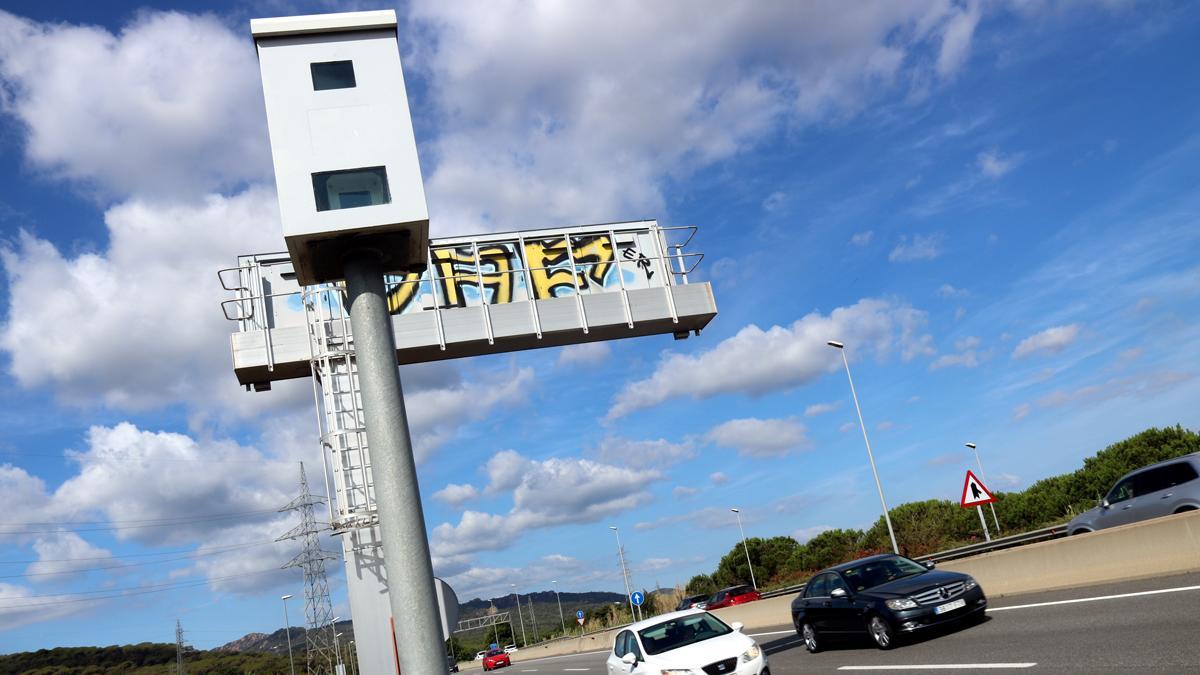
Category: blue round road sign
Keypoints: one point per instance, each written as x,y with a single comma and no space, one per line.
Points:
579,614
637,598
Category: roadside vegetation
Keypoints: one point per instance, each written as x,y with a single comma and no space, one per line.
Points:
937,524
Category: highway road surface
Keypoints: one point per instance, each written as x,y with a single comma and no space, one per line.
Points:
1142,626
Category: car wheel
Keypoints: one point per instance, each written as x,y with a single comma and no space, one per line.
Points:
811,642
1185,509
1080,531
882,632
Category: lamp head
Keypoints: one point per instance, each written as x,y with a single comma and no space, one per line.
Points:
285,597
971,446
835,343
735,510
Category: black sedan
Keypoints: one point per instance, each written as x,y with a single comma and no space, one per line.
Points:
883,596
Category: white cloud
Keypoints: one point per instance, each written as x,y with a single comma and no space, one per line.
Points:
919,247
1142,385
862,238
968,359
948,291
137,112
708,518
586,354
437,414
62,554
885,425
804,534
545,493
956,44
775,201
536,102
967,356
151,298
718,478
1050,341
1021,412
799,355
456,494
127,473
658,453
683,491
995,165
821,408
754,437
847,426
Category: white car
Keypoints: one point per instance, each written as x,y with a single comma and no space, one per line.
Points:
479,655
691,642
510,649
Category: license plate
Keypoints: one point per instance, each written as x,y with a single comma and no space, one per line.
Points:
950,606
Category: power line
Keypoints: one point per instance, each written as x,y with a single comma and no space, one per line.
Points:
133,591
145,525
195,555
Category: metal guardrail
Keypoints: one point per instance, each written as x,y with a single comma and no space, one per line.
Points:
1034,536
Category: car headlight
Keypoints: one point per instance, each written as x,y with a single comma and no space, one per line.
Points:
901,603
751,654
971,583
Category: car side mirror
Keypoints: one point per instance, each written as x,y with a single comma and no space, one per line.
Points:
837,593
928,564
737,626
629,659
1104,503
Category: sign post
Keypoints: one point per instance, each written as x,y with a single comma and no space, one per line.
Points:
975,494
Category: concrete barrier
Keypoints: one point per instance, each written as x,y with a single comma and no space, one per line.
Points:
1150,548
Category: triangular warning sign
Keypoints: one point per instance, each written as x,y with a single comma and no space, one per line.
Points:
974,493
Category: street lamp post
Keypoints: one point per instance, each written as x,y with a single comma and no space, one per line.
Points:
887,518
524,642
288,629
738,513
991,505
353,658
624,572
560,614
337,650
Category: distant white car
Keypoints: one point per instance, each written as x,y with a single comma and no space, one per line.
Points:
690,641
510,649
479,655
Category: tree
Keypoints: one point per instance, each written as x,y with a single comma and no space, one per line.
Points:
701,584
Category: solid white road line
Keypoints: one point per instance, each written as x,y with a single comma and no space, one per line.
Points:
944,666
561,656
1101,597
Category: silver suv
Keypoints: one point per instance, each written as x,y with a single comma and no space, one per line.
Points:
1149,492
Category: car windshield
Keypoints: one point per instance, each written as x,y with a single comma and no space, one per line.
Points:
880,571
494,652
676,633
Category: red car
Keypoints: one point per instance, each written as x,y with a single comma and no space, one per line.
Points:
735,595
496,658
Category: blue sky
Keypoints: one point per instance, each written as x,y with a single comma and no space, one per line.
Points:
993,204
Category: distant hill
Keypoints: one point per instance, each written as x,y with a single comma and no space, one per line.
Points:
277,642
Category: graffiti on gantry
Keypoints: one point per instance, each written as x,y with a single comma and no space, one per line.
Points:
466,275
550,264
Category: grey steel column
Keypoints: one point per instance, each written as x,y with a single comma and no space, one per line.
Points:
397,495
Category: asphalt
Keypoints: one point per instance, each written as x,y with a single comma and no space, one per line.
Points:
1158,632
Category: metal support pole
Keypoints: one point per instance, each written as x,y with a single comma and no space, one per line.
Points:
288,628
987,536
745,548
521,618
624,574
887,518
406,560
560,614
991,505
